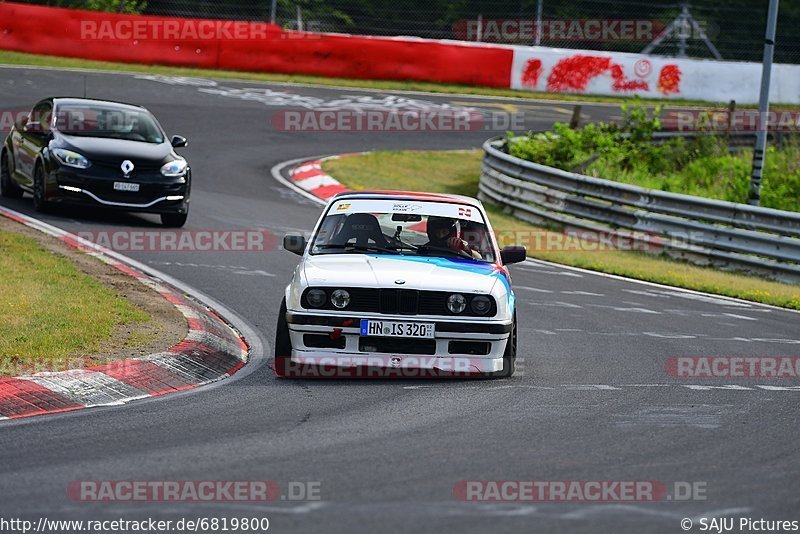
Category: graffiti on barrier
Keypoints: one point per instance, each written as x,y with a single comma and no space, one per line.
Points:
573,75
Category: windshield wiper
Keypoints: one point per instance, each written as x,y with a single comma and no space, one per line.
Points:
359,248
403,246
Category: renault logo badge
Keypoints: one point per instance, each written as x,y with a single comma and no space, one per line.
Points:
127,167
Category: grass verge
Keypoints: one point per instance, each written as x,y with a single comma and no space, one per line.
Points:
459,172
64,310
17,58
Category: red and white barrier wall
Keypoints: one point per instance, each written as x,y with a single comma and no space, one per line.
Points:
618,74
95,35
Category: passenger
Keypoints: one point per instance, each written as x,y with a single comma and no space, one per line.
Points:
445,232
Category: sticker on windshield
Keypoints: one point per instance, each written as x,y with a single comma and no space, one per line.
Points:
377,206
405,208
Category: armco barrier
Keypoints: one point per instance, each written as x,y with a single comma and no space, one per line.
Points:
705,231
58,31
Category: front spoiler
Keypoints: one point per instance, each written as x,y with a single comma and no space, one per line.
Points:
83,197
308,364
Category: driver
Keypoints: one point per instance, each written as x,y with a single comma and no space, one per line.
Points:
444,232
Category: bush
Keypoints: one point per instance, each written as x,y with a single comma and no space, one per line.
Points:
700,166
110,6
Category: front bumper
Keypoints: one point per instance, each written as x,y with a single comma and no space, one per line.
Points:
335,342
156,194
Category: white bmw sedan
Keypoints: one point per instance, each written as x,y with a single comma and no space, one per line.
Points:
399,284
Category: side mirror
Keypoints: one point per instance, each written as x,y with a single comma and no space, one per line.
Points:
295,243
33,127
513,254
179,141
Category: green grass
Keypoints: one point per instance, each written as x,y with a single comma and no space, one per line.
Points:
722,177
49,309
17,58
458,172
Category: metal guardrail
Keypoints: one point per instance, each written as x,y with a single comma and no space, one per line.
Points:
705,231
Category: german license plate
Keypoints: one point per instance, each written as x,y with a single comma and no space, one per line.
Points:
396,329
126,186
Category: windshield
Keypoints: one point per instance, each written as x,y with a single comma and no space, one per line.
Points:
108,122
406,228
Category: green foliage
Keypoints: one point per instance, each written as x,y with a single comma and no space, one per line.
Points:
109,6
700,166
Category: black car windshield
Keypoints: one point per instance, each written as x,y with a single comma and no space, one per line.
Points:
409,228
108,122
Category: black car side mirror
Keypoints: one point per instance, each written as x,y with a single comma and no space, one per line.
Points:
295,243
179,141
33,127
513,254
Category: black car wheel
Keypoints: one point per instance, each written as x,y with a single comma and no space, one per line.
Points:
8,188
283,345
40,203
510,355
174,220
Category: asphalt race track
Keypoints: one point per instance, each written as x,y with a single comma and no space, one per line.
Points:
592,400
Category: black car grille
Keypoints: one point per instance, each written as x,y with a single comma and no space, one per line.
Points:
139,166
402,301
397,302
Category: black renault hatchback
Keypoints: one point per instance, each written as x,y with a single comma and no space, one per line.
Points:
99,153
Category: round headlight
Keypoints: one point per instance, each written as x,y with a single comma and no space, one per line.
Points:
480,305
456,303
316,298
340,298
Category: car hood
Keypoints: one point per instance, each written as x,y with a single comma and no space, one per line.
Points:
427,273
118,150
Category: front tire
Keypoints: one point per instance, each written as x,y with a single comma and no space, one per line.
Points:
8,188
40,203
509,356
283,345
174,220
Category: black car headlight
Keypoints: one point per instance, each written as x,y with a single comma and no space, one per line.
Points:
480,305
456,303
316,298
70,158
175,168
340,299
